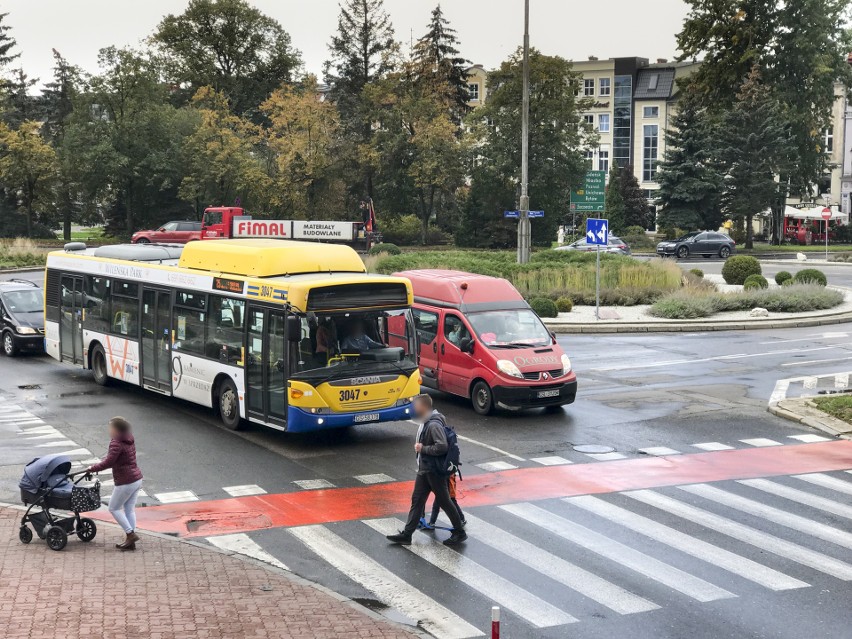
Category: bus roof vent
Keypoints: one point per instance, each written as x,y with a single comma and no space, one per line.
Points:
140,252
75,246
270,258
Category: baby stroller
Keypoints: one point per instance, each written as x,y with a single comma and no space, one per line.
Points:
47,483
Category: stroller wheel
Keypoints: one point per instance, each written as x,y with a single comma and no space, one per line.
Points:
56,538
25,535
87,530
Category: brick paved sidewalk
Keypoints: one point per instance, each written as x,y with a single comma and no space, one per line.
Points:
165,589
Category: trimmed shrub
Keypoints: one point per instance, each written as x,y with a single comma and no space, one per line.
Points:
564,304
783,276
544,307
811,276
739,267
684,305
385,247
790,282
755,281
697,272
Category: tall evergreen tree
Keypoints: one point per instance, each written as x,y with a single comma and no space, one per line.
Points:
7,43
614,207
20,104
689,178
636,209
437,59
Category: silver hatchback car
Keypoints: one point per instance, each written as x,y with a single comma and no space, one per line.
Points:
614,245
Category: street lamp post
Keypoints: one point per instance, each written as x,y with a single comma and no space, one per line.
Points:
524,230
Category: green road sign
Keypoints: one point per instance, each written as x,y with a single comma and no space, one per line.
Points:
590,196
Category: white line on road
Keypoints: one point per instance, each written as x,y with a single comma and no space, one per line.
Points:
713,446
245,490
496,466
717,358
761,442
385,585
176,497
496,588
817,361
555,460
775,515
490,447
659,451
586,583
313,484
375,478
626,556
736,564
800,497
810,439
827,481
805,339
746,534
242,544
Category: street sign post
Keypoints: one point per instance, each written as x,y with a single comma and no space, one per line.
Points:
826,215
590,197
597,233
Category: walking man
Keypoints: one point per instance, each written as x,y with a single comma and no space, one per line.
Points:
431,448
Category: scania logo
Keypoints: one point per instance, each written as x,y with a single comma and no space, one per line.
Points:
360,381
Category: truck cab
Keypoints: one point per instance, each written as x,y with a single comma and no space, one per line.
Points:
217,222
479,338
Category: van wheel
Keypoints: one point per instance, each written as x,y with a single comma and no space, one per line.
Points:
228,404
99,366
482,398
9,346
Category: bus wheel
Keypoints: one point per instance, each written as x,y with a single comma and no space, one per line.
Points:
482,398
229,405
99,365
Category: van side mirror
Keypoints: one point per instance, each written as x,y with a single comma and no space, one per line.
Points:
466,345
294,329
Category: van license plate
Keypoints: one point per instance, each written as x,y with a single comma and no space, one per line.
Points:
367,417
548,393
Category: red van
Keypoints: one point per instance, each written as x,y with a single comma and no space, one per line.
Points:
480,339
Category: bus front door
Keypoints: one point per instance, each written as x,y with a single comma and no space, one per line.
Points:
71,320
156,349
266,366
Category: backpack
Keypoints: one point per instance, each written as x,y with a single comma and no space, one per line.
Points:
450,463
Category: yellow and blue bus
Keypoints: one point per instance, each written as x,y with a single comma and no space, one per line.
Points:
293,335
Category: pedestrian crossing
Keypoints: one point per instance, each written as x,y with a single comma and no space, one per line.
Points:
578,560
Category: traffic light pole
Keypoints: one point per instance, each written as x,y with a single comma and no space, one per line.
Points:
524,228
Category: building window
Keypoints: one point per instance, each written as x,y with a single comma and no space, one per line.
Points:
590,160
603,122
589,87
589,119
473,92
605,87
653,82
650,147
603,160
650,112
828,146
622,120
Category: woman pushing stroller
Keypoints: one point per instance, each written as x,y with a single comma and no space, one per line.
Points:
121,458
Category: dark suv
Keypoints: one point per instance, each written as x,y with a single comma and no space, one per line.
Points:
706,244
21,316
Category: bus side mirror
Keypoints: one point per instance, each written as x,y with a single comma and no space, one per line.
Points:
294,329
466,345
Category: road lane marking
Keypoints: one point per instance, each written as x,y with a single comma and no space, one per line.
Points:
493,467
555,460
810,439
815,361
606,456
758,538
659,451
713,446
175,497
736,564
827,481
385,585
717,358
376,478
799,496
761,442
586,583
494,587
490,447
775,515
625,556
804,339
242,544
313,484
54,444
244,490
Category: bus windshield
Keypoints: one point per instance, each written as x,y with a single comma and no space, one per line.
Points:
516,328
353,343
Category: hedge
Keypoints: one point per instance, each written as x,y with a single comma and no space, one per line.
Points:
739,267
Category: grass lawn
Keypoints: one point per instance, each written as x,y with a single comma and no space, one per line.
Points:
837,406
96,232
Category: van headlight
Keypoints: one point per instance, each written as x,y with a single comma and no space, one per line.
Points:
26,330
505,366
566,365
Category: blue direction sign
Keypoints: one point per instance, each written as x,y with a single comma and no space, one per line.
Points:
597,231
536,213
517,214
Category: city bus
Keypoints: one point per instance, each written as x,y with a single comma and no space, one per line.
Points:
293,335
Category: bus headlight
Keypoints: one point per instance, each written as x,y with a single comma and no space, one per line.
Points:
26,330
566,365
505,366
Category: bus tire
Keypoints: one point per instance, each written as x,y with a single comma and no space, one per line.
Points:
99,365
482,398
228,405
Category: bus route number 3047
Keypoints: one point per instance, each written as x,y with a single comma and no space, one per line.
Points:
350,395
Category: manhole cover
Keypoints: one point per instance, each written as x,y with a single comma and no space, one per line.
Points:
30,386
593,449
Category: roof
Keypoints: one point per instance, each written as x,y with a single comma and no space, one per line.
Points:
466,291
656,83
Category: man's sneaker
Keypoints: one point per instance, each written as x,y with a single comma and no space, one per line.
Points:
400,538
456,538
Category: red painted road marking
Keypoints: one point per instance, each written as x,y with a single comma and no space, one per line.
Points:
245,514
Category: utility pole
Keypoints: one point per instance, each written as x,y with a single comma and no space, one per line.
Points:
524,230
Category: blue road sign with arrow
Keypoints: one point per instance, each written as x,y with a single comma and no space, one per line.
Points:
597,231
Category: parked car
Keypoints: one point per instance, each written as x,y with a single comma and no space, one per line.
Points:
21,316
703,243
179,232
614,245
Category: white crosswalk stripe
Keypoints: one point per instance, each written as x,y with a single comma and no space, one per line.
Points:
715,555
800,496
496,588
775,515
760,539
615,551
389,588
827,481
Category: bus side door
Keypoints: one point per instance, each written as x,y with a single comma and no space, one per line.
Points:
266,365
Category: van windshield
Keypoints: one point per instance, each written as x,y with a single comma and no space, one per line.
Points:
515,328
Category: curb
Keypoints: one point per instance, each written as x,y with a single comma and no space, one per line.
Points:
23,269
804,411
414,630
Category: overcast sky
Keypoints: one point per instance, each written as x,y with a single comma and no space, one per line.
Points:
488,29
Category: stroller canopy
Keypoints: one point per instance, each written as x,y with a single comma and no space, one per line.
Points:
45,472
